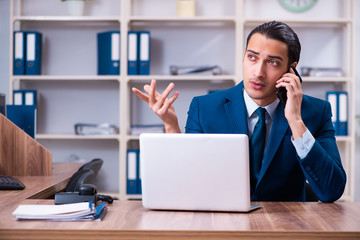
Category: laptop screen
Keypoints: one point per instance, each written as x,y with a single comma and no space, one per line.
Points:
205,172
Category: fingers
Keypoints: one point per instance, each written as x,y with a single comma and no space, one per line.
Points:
289,80
168,104
152,93
140,94
159,103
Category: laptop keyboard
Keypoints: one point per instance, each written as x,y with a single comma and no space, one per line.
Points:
10,183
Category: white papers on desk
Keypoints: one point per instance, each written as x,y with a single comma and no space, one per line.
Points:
84,211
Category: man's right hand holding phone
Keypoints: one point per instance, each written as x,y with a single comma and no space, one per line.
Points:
292,82
161,105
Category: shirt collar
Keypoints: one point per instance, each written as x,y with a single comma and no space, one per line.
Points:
251,106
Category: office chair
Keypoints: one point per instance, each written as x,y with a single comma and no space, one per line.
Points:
310,195
84,174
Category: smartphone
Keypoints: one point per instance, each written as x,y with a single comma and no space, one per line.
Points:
281,92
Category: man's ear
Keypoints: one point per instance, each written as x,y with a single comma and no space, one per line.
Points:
294,64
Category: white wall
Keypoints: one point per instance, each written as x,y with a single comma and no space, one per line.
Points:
4,75
4,46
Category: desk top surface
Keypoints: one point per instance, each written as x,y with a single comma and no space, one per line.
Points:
41,187
130,220
273,216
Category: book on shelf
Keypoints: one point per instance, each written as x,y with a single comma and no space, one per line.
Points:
96,129
83,211
321,72
195,70
136,130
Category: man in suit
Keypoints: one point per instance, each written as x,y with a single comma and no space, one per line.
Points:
297,135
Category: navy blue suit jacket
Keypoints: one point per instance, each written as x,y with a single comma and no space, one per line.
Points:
283,173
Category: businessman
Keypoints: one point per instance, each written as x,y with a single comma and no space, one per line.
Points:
296,139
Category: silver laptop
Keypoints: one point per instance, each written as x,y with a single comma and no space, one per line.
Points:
195,172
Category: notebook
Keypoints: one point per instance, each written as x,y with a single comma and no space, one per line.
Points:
195,172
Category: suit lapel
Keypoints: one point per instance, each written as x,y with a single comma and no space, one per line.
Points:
237,113
236,110
279,128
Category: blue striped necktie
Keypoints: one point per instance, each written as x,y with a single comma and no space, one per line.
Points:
257,146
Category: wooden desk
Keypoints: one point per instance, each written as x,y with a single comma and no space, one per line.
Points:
41,187
129,220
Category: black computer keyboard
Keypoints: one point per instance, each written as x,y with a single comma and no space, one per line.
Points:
10,183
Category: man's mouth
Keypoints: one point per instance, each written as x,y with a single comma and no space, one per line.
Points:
257,85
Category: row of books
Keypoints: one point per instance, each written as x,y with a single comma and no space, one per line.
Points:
133,178
339,107
109,53
27,52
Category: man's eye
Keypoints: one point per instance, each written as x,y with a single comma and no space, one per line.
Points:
274,63
251,57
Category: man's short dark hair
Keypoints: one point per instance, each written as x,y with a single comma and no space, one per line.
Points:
281,32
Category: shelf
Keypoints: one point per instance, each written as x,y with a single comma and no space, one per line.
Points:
73,136
132,137
329,21
65,19
67,77
343,138
184,77
182,19
327,79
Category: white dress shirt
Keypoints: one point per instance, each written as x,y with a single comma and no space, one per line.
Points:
302,145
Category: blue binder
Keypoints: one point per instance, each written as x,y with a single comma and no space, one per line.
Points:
133,53
19,43
144,53
25,97
108,46
332,98
33,53
139,189
343,113
132,171
23,116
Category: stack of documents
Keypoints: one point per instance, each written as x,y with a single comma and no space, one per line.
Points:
84,211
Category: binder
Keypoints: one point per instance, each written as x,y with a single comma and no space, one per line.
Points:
139,190
33,53
108,46
132,171
144,53
25,97
17,97
343,113
23,116
332,98
132,53
19,43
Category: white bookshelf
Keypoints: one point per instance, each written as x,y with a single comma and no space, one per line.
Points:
217,22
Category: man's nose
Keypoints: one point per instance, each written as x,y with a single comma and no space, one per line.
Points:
259,70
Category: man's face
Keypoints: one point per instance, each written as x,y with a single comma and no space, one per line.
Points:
265,61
